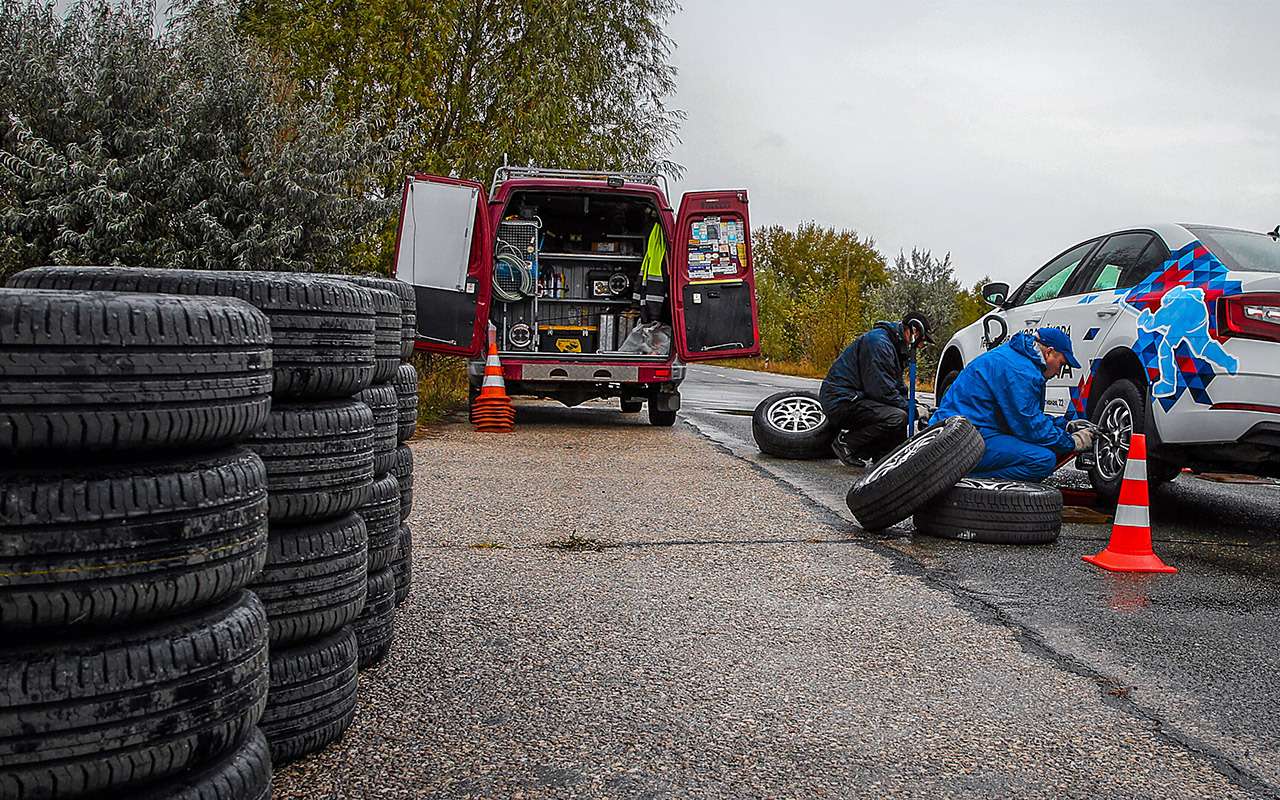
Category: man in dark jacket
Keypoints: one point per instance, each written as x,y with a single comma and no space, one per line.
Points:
1002,393
863,394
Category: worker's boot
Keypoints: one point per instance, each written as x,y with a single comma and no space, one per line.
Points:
840,446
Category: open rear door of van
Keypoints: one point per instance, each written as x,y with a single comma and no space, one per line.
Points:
443,249
713,312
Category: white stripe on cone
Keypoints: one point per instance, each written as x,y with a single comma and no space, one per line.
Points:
493,380
1133,516
1135,469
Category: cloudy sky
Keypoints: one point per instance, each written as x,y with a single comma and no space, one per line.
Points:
1000,131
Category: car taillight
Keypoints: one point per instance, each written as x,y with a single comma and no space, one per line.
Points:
1252,316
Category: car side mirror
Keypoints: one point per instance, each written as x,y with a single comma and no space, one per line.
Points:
996,294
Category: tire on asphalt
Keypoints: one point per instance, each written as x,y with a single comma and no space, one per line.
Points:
322,330
99,372
375,627
403,470
381,515
402,567
406,402
313,695
315,579
791,424
85,546
319,458
1158,472
915,473
631,406
133,705
243,773
382,401
994,512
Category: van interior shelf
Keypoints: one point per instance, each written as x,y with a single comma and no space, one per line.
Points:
592,256
591,302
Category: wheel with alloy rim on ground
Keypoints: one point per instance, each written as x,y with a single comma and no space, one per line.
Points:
1120,411
994,512
792,424
919,470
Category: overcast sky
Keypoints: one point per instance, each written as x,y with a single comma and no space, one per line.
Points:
1000,131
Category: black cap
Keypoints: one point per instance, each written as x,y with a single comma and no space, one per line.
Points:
921,323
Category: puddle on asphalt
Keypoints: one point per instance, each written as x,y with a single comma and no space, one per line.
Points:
734,412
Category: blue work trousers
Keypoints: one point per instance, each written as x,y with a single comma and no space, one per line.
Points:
1010,458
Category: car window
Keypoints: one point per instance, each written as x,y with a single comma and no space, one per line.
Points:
1242,250
1047,283
1151,260
1115,258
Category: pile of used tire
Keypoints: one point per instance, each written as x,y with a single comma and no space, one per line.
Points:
924,479
186,503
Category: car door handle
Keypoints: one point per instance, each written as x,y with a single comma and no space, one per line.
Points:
1031,321
1109,311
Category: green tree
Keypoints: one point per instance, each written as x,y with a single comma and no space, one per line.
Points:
922,282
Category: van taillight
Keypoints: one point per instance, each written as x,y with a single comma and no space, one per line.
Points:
1251,316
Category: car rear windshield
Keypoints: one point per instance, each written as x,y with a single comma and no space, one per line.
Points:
1241,250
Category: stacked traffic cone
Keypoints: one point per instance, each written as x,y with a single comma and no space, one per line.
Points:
1130,547
492,411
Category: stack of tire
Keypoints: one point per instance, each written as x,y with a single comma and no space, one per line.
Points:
133,662
317,445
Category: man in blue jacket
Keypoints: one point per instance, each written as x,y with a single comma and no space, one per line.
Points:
863,394
1002,393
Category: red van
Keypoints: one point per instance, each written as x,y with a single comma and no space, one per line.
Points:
552,259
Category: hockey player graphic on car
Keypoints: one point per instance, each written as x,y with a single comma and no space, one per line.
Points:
1183,317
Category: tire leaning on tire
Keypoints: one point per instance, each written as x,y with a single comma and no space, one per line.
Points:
108,544
109,712
994,512
313,695
98,372
322,330
792,424
915,473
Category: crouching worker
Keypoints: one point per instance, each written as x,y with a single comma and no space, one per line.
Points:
1002,394
863,394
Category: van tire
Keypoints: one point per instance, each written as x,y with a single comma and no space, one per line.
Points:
100,372
1158,471
243,773
915,473
319,458
406,403
403,470
632,406
804,411
313,695
381,515
375,627
106,712
86,546
994,512
314,582
382,401
322,330
402,567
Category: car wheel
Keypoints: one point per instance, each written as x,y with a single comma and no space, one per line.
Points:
919,470
792,424
994,512
944,385
1120,411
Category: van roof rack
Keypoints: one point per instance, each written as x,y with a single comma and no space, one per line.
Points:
507,173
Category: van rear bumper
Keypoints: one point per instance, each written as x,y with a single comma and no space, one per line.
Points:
544,372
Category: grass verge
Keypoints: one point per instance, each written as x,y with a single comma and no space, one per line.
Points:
802,369
442,386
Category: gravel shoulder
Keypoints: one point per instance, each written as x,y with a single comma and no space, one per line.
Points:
700,631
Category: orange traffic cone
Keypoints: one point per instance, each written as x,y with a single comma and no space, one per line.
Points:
492,411
1130,547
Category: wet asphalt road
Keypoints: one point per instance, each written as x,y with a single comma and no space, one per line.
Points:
1194,654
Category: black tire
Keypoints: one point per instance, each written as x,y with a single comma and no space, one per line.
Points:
382,401
102,372
407,402
387,324
408,307
944,385
243,773
101,545
375,627
313,695
403,470
322,330
632,406
1106,484
381,514
402,567
994,512
133,705
319,458
791,424
915,473
314,582
660,418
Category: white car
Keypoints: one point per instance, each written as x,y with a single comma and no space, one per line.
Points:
1177,330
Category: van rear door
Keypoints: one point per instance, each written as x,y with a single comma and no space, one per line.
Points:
443,249
713,287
